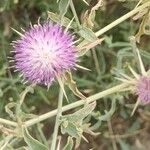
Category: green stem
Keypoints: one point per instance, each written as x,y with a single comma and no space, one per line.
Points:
121,19
8,122
74,13
52,113
90,99
59,113
7,140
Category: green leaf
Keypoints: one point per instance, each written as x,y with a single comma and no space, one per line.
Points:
80,114
87,34
144,27
56,18
90,17
26,91
72,85
33,143
63,7
84,47
9,107
72,123
72,129
123,144
69,144
109,113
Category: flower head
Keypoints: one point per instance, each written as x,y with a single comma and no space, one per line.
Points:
43,52
143,89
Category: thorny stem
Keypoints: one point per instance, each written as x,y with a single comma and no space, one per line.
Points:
118,88
78,103
121,19
52,113
57,122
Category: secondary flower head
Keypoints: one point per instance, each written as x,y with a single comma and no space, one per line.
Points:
143,89
44,52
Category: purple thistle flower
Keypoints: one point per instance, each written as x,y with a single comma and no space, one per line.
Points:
143,89
44,52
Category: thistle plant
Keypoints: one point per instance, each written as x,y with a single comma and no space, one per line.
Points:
139,83
64,49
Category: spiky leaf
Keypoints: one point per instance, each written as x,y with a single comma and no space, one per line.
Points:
33,143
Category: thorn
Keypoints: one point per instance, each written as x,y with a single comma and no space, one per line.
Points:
135,107
125,76
20,75
25,82
17,32
16,70
140,1
69,24
31,25
13,42
136,50
84,139
39,20
134,73
81,67
48,86
126,89
11,61
86,2
121,79
22,80
141,64
22,29
10,67
35,25
62,87
76,41
12,51
9,57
